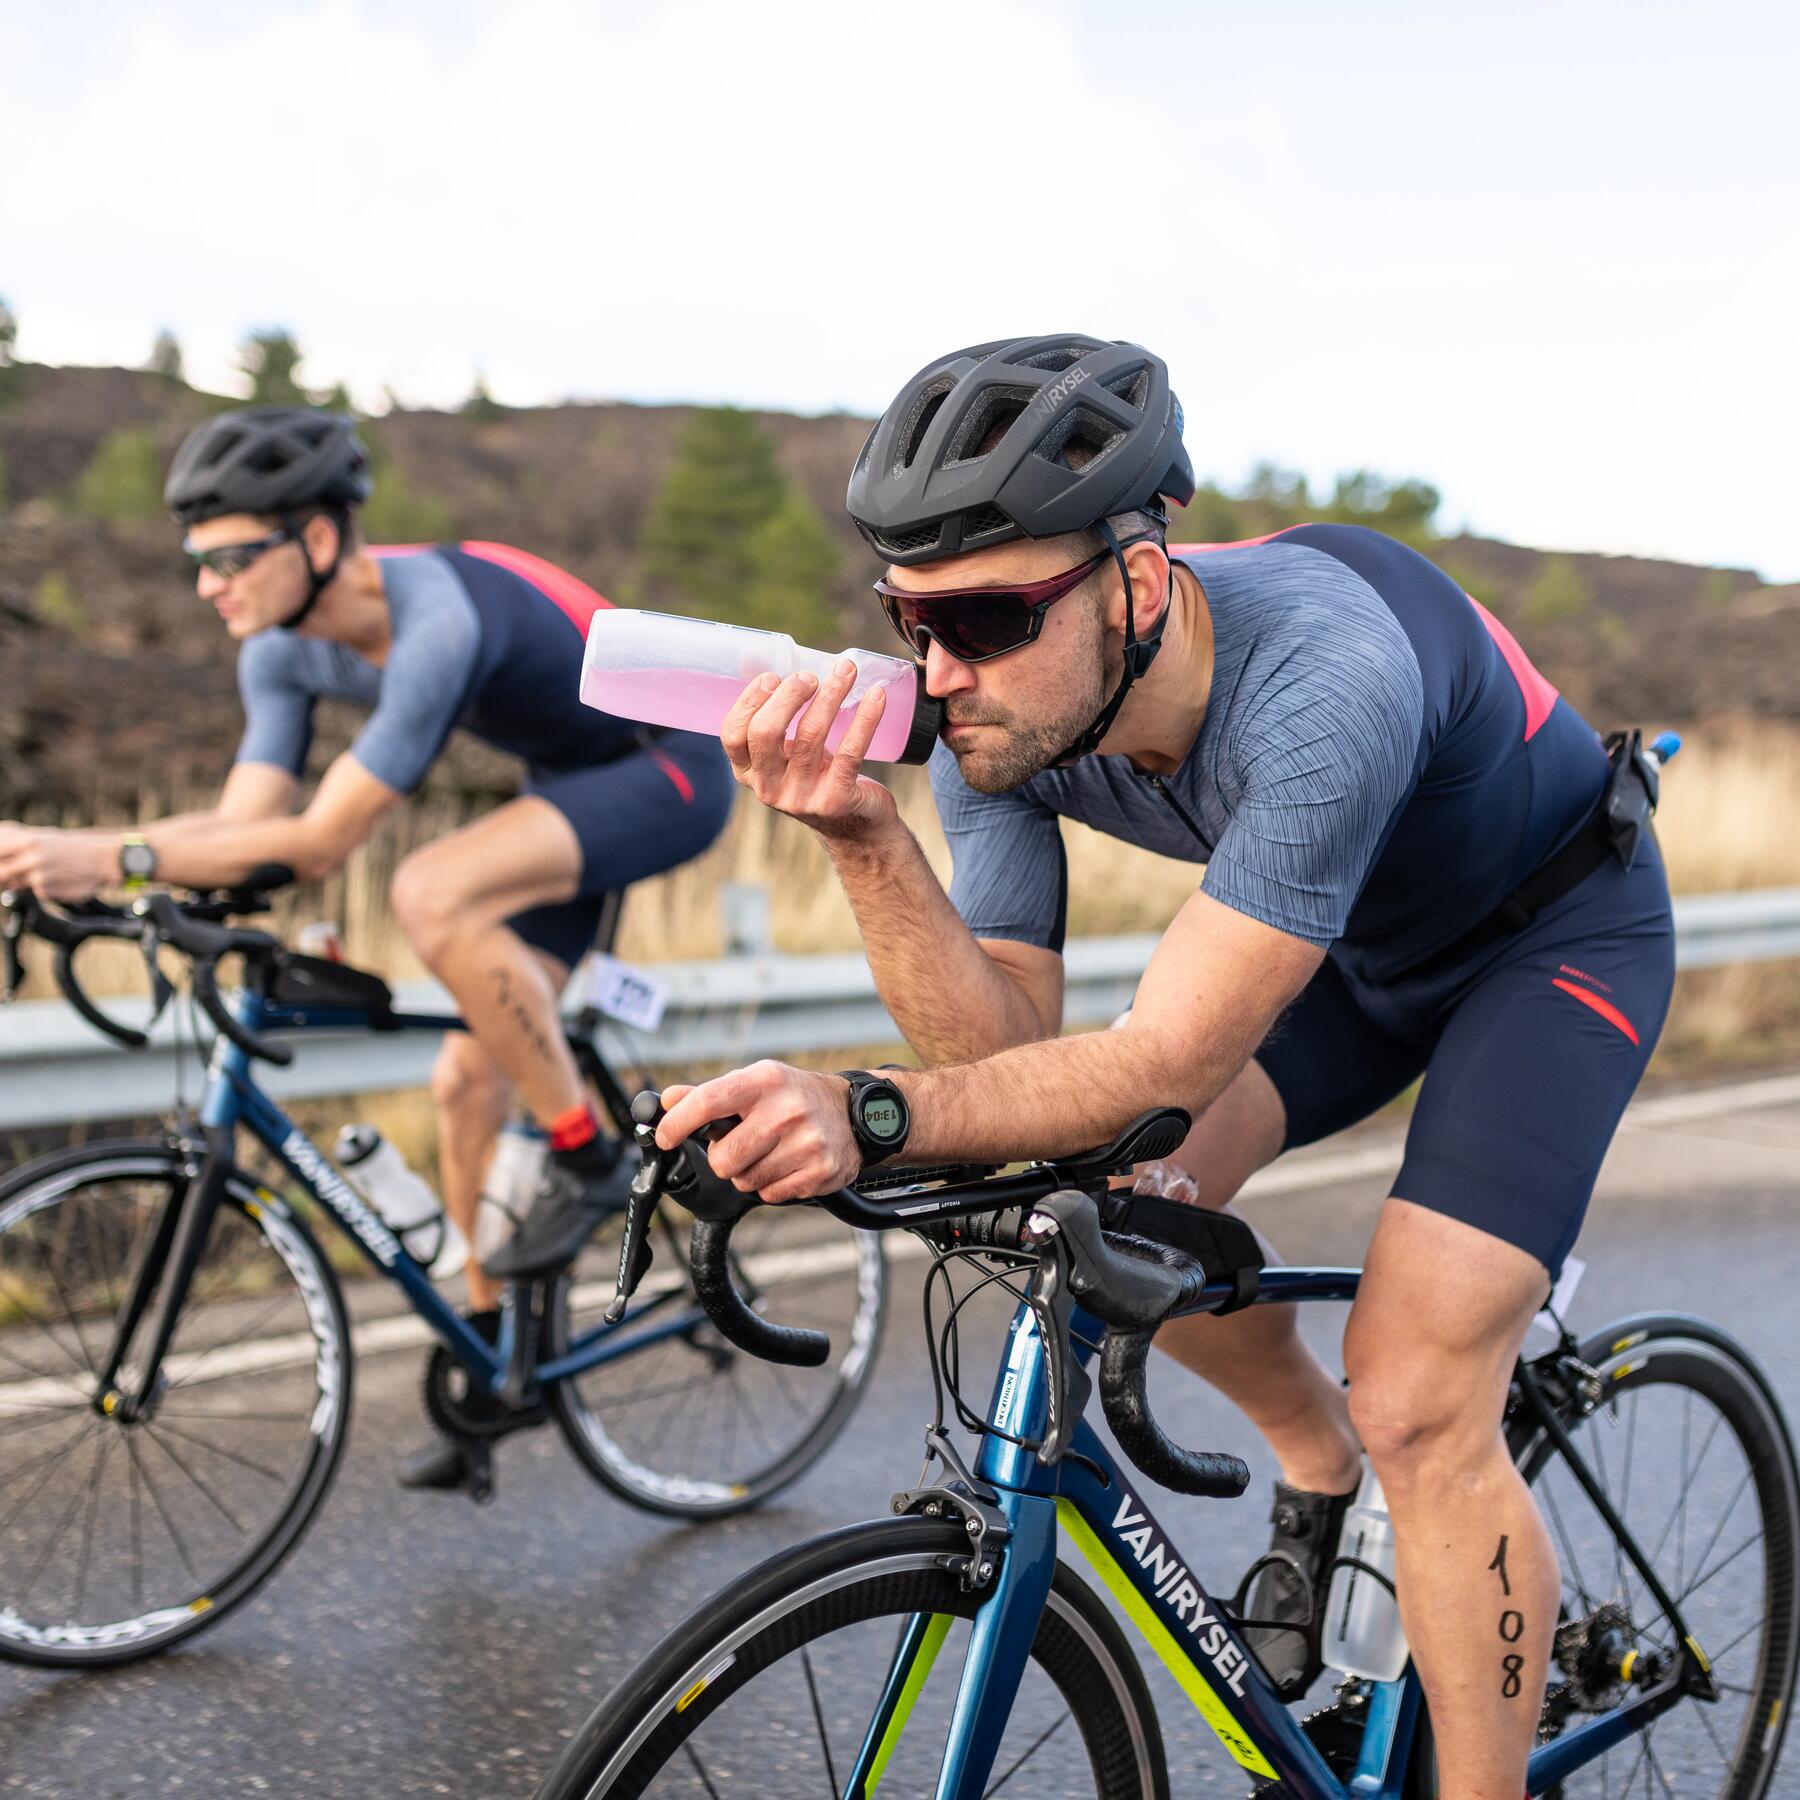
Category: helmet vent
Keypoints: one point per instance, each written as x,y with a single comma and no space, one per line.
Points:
905,543
1080,438
1132,388
987,422
1054,360
984,521
924,411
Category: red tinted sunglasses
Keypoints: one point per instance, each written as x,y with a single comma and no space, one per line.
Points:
979,623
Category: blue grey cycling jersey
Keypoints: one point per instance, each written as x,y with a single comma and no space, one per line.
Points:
482,636
1378,766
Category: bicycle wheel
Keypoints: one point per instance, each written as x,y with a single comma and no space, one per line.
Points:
1691,1450
682,1422
119,1539
773,1686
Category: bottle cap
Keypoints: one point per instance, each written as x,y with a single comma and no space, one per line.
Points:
927,722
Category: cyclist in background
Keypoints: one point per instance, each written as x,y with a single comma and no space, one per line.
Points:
427,639
1405,875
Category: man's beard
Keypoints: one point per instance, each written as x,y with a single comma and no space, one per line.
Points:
1008,753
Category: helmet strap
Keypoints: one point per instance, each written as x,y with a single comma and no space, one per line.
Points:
317,581
1140,653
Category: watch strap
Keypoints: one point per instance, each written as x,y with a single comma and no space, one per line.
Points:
133,840
874,1149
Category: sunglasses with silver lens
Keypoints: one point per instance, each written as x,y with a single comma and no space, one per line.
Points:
977,624
230,560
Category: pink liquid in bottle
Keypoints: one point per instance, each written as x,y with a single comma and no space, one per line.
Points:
655,668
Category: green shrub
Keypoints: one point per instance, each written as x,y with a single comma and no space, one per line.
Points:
123,481
722,489
1559,594
793,562
3,480
165,358
270,358
395,513
55,603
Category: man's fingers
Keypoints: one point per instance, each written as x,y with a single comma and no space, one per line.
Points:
822,714
869,711
734,728
768,729
699,1106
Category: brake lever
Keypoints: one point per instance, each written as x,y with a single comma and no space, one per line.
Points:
162,990
1051,1297
12,964
635,1250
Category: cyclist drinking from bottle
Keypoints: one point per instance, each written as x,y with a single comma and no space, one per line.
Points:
427,639
1405,876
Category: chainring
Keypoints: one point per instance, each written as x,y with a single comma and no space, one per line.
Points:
459,1410
1336,1732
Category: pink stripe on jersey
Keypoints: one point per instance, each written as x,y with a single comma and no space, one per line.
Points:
1539,695
579,601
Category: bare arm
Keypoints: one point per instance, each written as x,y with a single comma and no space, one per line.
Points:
953,996
216,852
1217,982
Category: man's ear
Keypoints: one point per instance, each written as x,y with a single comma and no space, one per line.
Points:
1148,562
323,540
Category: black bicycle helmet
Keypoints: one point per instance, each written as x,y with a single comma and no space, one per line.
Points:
280,460
268,459
924,488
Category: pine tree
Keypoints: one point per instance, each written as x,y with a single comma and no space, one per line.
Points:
694,551
165,357
793,563
271,359
9,333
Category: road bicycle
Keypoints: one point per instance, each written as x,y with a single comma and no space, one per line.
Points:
954,1651
176,1351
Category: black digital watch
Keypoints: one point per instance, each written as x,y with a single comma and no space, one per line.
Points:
879,1119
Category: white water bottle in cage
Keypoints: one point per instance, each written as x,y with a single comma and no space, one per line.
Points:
403,1198
512,1181
1363,1634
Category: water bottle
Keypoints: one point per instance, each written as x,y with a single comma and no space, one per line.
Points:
686,673
512,1181
1363,1634
404,1200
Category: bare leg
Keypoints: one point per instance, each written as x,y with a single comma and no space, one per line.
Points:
472,1095
1430,1348
453,897
1257,1358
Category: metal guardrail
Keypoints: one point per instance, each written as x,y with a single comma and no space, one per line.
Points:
54,1069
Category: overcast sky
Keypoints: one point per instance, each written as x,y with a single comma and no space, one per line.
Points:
1544,255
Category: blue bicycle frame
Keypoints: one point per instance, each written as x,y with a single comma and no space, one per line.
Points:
233,1098
1101,1511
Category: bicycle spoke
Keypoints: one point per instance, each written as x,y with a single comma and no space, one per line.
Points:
231,1343
1749,1543
87,1527
1037,1743
56,1538
812,1688
1724,1520
46,1329
1655,1555
132,1484
43,1456
1704,1715
1650,1754
1718,1656
69,1312
212,1499
162,1512
705,1779
1571,1561
229,1455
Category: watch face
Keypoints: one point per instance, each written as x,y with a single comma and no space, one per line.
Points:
138,861
883,1117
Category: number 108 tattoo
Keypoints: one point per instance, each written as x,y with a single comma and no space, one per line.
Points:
1512,1628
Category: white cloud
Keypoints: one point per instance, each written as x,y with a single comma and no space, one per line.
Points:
1461,252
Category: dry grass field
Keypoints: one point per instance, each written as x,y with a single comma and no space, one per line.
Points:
1727,821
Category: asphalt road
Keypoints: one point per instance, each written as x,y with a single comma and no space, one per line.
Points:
419,1645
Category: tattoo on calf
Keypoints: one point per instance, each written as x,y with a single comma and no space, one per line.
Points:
520,1014
1512,1628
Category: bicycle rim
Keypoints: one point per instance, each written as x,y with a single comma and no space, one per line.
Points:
1690,1448
119,1539
776,1687
685,1423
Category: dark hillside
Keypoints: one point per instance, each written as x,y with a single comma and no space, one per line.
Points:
115,683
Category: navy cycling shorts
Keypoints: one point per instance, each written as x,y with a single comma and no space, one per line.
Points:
641,814
1529,1049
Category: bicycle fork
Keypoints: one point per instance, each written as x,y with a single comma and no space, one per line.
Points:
160,1282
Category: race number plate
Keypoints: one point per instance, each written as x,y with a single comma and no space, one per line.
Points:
625,993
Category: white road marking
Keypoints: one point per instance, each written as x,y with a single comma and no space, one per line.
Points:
1304,1172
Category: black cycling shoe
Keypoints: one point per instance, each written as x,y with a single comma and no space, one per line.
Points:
1285,1615
580,1189
441,1465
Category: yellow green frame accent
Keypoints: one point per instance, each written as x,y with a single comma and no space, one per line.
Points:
1160,1639
929,1646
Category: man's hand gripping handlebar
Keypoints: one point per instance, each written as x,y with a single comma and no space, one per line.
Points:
1061,1213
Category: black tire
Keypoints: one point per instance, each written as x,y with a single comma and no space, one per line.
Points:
190,1510
743,1428
1682,1371
865,1583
